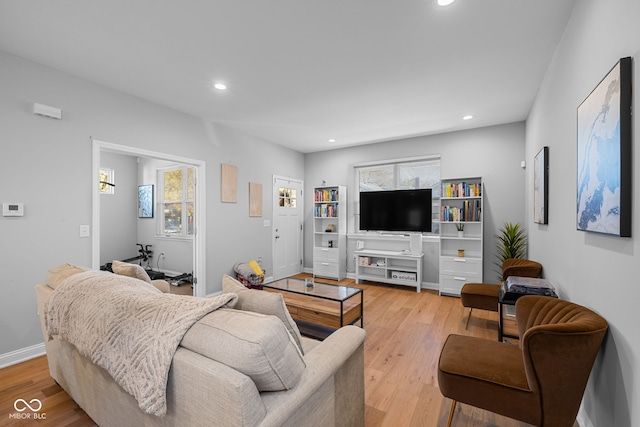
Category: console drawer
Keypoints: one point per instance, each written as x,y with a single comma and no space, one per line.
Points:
325,268
451,285
471,268
326,254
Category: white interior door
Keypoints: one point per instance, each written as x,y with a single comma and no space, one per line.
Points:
287,227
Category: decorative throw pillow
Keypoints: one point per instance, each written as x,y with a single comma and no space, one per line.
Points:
262,302
56,275
255,344
131,270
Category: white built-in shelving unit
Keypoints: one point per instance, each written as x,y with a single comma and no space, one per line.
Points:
397,267
330,231
460,251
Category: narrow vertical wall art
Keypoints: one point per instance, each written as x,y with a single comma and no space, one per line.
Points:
229,183
541,187
255,199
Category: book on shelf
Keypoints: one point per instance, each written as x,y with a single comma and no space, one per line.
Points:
325,195
470,211
326,211
461,189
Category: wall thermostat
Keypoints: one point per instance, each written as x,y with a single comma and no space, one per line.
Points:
13,209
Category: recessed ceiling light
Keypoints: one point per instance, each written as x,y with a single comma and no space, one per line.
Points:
332,140
467,117
445,2
220,86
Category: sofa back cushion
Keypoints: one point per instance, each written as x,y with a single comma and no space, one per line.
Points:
57,274
254,344
131,270
262,302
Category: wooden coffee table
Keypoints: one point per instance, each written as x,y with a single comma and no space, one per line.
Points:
322,305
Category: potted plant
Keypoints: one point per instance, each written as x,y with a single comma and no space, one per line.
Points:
460,228
512,243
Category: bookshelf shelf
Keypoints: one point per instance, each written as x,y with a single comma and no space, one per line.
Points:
461,204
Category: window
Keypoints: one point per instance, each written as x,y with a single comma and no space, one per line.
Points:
176,201
106,183
287,198
402,175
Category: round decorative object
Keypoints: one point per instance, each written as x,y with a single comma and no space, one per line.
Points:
330,228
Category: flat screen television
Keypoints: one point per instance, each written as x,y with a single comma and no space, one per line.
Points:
398,210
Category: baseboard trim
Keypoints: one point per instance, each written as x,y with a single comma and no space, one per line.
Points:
22,355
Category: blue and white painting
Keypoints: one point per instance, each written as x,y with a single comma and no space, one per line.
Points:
598,195
145,201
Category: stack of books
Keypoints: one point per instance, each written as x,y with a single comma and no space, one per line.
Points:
515,287
529,285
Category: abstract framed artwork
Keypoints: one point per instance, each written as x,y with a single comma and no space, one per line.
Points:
603,199
541,187
145,201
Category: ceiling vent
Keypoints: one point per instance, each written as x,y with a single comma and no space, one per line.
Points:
47,111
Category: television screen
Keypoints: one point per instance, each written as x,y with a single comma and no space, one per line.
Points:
399,210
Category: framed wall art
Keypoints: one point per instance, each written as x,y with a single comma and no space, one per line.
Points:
145,201
255,199
603,199
541,187
229,183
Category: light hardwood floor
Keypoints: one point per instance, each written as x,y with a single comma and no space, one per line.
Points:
405,332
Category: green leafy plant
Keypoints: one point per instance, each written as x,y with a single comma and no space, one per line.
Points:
460,226
512,243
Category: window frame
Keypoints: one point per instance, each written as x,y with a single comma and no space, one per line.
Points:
161,202
396,163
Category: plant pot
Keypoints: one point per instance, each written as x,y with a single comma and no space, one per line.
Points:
460,233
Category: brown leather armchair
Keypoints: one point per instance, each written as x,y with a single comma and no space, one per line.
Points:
540,382
484,296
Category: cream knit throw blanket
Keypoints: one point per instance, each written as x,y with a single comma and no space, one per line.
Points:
127,327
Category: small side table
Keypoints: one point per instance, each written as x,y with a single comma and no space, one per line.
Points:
510,298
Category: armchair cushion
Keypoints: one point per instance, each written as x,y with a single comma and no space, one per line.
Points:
520,267
469,372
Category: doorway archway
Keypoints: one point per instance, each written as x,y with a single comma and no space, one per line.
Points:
199,247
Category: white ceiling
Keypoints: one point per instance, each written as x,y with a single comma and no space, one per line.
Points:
300,72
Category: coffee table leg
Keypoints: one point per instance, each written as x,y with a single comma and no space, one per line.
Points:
500,322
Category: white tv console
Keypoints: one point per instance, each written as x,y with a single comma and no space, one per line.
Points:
396,267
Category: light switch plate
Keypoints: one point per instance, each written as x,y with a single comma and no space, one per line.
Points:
84,231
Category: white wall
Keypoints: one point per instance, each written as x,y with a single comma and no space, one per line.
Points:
598,271
493,153
46,164
118,211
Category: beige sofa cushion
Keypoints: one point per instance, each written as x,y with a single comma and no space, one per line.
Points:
131,270
56,275
255,344
262,302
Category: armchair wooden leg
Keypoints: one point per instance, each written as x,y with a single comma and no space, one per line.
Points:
468,318
451,411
